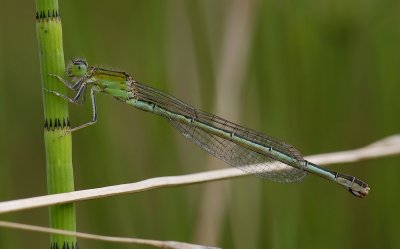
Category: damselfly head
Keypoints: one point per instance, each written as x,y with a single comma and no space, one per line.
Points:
77,68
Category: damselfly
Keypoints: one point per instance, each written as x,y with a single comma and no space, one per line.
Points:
238,146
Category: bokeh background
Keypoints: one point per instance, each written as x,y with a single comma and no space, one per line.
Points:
322,75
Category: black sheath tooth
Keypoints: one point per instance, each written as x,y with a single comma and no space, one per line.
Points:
56,123
54,245
66,245
53,13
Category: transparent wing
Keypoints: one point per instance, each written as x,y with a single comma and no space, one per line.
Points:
261,165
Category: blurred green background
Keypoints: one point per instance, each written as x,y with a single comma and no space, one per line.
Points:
322,75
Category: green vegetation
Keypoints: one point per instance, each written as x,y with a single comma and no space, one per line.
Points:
321,75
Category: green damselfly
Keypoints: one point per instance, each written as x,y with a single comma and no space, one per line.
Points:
238,146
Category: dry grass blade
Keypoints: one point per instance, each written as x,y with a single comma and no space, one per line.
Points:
154,243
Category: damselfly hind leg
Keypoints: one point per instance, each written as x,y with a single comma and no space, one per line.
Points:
93,92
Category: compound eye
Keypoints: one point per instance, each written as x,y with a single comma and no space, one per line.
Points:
79,62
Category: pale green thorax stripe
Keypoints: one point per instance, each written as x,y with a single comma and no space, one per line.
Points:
238,146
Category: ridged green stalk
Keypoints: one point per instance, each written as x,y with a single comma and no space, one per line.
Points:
58,145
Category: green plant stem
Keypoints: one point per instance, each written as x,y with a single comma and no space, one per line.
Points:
58,145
